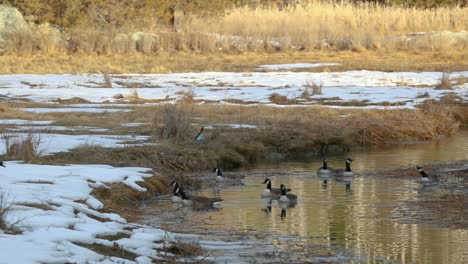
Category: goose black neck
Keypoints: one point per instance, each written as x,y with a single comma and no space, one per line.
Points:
348,166
269,185
218,172
283,191
182,195
423,174
325,166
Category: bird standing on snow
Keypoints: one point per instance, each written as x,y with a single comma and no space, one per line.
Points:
1,164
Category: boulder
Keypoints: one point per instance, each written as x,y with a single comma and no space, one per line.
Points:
11,20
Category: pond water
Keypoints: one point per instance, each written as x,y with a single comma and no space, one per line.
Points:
372,220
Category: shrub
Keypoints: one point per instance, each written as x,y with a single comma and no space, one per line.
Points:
445,82
174,121
22,146
315,87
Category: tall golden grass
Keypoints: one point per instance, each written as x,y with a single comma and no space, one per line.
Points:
311,26
345,26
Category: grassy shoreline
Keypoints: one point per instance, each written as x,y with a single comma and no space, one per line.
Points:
166,62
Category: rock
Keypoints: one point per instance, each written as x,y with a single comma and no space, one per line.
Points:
118,96
11,20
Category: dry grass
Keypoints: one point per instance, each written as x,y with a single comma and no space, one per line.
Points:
291,132
342,27
125,201
355,27
174,121
163,62
362,36
445,82
277,98
114,251
185,250
6,206
25,147
5,209
316,88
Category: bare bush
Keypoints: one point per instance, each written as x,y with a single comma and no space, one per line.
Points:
174,121
314,86
22,146
5,209
445,82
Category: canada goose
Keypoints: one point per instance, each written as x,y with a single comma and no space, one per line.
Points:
197,201
175,196
271,192
426,177
345,175
325,172
219,174
285,197
199,136
1,164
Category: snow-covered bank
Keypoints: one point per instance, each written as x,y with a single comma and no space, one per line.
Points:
52,143
54,209
405,88
56,219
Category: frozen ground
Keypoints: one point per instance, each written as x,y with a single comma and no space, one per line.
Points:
53,143
373,86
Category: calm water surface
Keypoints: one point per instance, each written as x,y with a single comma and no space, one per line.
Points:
372,220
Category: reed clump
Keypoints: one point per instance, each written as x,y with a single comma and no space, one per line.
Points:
22,146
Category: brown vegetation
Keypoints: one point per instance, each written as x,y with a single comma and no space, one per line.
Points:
125,201
445,82
24,147
165,62
290,131
104,36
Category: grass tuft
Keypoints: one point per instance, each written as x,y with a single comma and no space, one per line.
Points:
22,147
174,121
277,98
445,82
